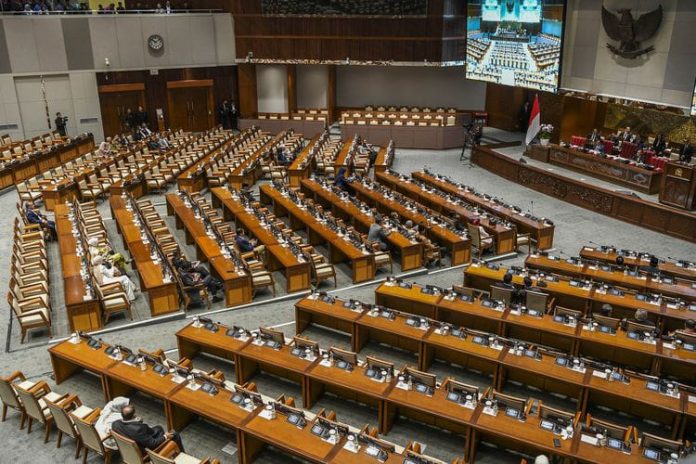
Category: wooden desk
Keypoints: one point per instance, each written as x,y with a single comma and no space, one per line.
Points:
659,358
385,158
279,433
505,237
237,285
394,332
582,299
252,358
68,358
352,385
84,312
363,263
297,273
644,213
311,310
411,252
541,231
162,295
459,247
192,340
122,378
185,404
609,256
193,178
344,159
611,169
592,272
302,165
678,187
435,410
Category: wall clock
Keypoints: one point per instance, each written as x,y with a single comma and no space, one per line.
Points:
155,42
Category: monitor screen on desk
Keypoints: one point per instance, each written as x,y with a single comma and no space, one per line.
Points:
273,338
515,42
344,359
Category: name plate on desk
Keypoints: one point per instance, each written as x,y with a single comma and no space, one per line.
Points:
590,440
402,386
193,386
489,411
599,374
178,379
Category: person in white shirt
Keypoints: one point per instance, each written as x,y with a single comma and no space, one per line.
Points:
105,274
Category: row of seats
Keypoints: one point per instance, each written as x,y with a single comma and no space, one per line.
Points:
37,403
12,150
28,294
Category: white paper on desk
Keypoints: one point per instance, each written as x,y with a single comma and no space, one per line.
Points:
600,374
669,346
692,399
87,298
497,347
258,342
489,411
266,414
402,385
589,439
178,379
325,363
193,386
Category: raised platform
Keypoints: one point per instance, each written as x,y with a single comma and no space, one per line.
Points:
431,137
644,213
308,128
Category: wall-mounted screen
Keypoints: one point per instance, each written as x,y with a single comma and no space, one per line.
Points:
515,42
693,102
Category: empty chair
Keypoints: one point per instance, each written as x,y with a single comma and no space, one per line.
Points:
536,300
321,270
169,453
482,244
9,397
502,294
64,424
35,406
262,279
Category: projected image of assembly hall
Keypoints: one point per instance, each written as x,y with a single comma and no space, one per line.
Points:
515,42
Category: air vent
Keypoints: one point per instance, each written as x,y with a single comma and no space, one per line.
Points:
89,120
4,127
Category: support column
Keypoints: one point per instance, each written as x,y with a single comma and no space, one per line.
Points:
292,88
248,97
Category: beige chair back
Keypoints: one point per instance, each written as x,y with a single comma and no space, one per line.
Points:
158,459
536,300
9,396
31,405
502,294
129,449
62,420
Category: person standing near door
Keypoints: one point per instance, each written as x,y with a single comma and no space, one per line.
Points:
223,114
141,116
61,123
233,115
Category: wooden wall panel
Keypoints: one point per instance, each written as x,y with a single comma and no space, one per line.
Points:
412,39
224,85
503,105
248,96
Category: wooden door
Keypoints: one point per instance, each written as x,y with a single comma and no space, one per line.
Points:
115,100
190,105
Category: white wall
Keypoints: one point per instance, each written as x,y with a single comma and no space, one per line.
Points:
405,85
74,94
272,88
665,75
312,86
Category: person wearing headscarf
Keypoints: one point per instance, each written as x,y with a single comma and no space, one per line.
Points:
108,253
106,274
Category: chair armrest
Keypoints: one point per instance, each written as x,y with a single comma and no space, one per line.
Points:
31,304
16,375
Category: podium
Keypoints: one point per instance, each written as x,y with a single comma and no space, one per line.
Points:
678,187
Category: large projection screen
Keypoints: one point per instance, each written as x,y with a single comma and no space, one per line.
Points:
515,42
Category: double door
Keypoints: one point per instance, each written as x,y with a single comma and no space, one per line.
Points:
115,101
190,105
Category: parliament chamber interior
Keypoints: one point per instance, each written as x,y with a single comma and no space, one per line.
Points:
348,231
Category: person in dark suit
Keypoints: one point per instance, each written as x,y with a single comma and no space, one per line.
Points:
141,116
223,114
133,427
61,124
687,152
660,143
130,120
653,269
233,116
35,217
594,137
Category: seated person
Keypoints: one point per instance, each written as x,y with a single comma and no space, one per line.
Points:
191,278
343,182
34,216
520,296
106,252
110,413
606,310
506,282
246,244
689,328
653,269
486,239
640,317
179,261
133,427
105,273
377,234
687,152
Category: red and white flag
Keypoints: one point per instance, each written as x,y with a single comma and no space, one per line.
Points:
534,122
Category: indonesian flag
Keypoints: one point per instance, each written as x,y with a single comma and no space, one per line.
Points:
534,122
